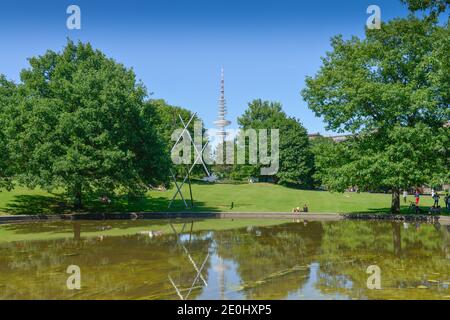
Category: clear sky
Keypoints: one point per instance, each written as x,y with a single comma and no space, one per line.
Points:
177,47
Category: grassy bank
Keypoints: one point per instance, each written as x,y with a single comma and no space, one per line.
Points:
260,197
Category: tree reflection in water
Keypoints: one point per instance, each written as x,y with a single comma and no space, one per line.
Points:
315,260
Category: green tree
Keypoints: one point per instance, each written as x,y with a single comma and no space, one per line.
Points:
322,153
295,157
166,122
391,90
434,7
82,125
8,98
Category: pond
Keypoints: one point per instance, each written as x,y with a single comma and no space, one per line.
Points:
224,259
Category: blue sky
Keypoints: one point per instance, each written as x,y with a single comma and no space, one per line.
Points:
177,47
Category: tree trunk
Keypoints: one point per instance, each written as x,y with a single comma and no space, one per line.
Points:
78,202
395,204
77,231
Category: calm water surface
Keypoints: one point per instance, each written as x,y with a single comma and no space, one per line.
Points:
224,259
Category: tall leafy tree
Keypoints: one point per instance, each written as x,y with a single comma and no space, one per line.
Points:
82,125
8,98
167,120
391,90
322,152
295,157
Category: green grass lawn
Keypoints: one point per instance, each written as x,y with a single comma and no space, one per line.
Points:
259,197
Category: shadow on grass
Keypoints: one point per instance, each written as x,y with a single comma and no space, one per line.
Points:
149,204
56,204
403,211
36,205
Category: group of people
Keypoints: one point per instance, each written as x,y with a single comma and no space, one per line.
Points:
296,210
434,195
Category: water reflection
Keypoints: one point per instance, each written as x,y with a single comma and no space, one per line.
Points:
181,240
222,259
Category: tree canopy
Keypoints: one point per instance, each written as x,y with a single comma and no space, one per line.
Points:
434,7
295,157
8,97
166,122
391,91
81,124
167,119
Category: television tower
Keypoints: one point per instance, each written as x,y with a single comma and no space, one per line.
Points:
221,122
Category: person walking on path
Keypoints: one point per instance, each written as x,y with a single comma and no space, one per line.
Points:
405,195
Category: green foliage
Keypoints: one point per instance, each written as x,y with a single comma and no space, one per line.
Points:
392,91
405,157
166,122
243,171
8,98
434,7
295,157
323,153
397,75
82,124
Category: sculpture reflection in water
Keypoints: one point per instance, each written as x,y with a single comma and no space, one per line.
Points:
198,276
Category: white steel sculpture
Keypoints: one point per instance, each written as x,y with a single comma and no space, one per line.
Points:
198,154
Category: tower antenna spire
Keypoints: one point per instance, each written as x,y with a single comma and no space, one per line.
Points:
221,122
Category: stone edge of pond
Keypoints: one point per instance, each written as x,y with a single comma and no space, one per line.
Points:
227,215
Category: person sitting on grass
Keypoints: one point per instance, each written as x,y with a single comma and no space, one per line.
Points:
105,200
414,208
305,208
435,210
